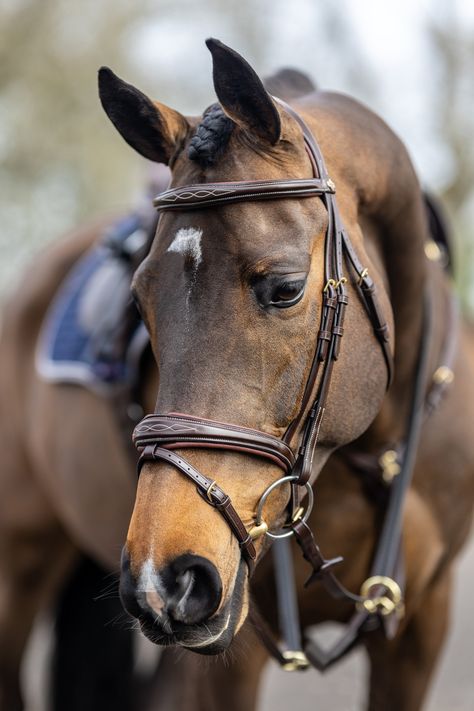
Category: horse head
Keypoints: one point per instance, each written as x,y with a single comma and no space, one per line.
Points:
232,296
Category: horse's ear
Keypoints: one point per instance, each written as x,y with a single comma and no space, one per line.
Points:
152,129
242,94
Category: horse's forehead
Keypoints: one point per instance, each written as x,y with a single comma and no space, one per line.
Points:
247,231
187,242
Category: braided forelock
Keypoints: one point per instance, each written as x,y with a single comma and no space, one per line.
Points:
211,136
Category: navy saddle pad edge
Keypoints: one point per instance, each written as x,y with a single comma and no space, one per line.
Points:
71,343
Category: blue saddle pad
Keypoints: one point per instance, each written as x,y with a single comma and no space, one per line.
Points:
79,340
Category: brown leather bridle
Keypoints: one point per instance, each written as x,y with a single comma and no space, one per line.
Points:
157,435
381,597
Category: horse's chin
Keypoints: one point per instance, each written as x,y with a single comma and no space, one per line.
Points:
216,635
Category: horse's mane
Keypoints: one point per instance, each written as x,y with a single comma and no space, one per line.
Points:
211,136
213,133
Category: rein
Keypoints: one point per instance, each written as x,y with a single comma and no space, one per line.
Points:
157,435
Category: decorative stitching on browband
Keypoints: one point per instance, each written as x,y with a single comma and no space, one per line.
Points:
211,423
209,194
173,195
144,428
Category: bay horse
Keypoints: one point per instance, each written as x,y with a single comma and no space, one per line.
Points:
232,297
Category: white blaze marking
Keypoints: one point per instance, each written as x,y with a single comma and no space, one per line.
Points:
187,242
149,583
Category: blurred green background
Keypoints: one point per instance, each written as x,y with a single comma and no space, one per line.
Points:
61,162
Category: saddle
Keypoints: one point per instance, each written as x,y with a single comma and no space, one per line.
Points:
92,334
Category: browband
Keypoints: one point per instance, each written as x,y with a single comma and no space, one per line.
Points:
193,197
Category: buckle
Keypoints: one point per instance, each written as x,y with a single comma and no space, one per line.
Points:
296,660
391,602
390,466
209,491
364,273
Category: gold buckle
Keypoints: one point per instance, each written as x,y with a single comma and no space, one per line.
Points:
390,466
443,375
342,280
330,282
209,491
362,275
390,602
296,661
432,251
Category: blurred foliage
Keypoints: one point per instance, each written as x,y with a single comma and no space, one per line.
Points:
453,98
60,160
55,160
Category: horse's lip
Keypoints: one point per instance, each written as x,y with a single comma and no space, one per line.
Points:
201,637
209,641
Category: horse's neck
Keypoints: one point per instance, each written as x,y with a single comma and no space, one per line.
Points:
400,237
389,203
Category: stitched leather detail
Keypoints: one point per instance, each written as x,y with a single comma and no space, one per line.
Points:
167,429
201,195
210,492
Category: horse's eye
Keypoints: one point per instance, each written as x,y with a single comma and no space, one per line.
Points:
288,293
279,290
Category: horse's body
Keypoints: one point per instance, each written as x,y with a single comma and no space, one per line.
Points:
66,480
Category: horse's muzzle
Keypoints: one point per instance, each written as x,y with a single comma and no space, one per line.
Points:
187,592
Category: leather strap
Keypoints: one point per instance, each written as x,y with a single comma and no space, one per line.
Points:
181,431
387,560
197,196
210,492
389,541
321,567
367,291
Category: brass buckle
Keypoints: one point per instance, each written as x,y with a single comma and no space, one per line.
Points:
433,251
388,603
209,491
362,275
443,375
296,661
390,466
330,282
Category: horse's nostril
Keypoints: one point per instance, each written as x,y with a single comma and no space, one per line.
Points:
187,590
193,588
